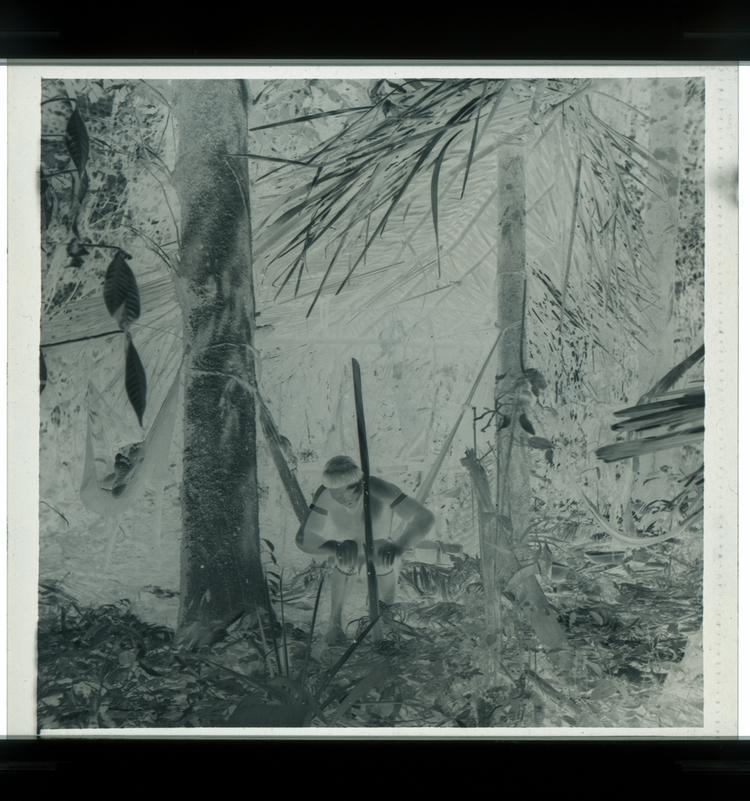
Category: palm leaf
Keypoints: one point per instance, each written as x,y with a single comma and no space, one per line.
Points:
435,184
309,117
473,144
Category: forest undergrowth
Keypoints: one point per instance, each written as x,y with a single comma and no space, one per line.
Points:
633,627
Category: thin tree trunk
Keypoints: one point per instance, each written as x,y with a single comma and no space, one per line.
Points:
512,491
221,568
512,508
666,139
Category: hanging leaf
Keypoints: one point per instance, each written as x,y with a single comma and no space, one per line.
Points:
77,141
121,296
135,381
526,424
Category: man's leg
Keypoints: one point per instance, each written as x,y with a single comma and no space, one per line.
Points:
387,583
339,582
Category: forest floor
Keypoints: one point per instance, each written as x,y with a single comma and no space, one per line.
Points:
633,627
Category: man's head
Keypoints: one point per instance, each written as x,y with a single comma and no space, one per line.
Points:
343,479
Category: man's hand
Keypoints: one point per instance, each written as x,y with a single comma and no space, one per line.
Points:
346,555
386,552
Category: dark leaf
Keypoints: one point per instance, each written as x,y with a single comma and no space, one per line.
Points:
135,381
640,447
121,296
672,418
77,141
671,378
526,424
42,372
308,117
669,401
541,443
504,421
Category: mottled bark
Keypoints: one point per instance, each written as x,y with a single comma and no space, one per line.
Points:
512,484
221,568
504,535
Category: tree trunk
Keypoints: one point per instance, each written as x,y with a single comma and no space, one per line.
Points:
221,568
666,138
513,492
512,485
520,581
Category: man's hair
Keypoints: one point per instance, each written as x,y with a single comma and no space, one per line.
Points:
341,471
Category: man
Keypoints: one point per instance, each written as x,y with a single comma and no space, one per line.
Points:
335,527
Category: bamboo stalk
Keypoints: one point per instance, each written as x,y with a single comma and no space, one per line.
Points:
372,582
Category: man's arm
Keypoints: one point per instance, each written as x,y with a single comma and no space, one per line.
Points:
309,535
419,519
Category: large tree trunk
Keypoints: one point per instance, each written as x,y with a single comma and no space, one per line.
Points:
221,568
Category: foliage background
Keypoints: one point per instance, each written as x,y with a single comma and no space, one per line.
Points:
420,337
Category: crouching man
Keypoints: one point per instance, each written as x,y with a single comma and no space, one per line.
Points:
335,527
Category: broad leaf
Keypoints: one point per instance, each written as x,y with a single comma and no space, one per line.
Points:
135,381
77,141
121,296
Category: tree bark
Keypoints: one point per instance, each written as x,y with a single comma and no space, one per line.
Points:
666,143
221,568
512,508
512,491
